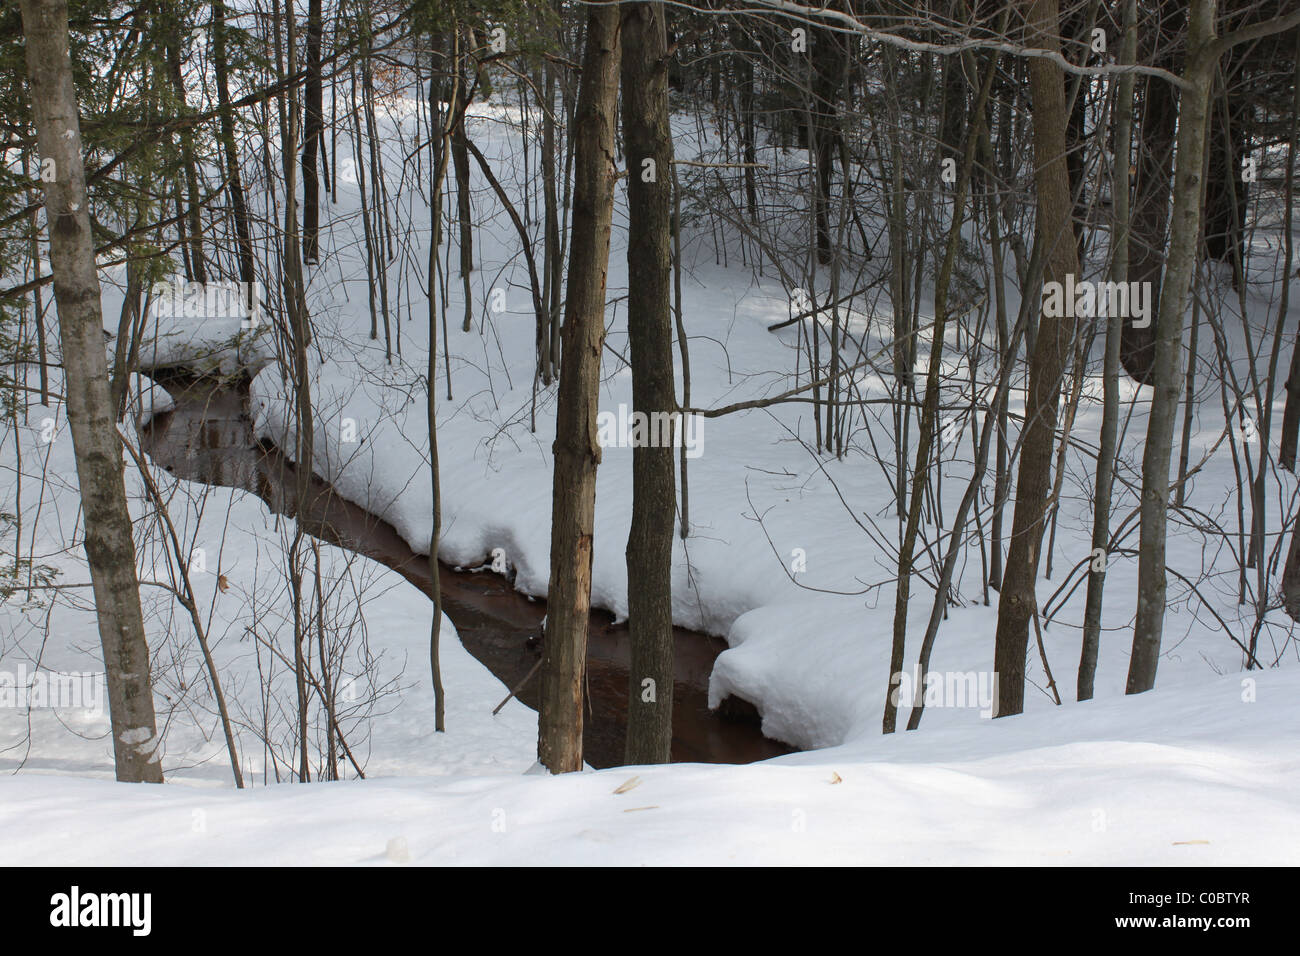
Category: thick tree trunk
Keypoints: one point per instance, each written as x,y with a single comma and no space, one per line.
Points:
1149,227
1017,603
110,549
1226,191
577,448
824,128
650,542
1167,364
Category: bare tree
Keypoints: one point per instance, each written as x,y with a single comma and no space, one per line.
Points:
110,549
648,147
1110,375
577,447
1017,602
313,127
1204,51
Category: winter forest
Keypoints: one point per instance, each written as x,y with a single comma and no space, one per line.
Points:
621,433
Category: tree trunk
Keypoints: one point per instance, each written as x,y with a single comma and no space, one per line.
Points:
1291,414
438,141
460,164
110,549
1110,376
577,448
650,542
1150,213
1017,603
1226,191
235,184
294,353
193,203
313,125
553,259
823,131
1167,363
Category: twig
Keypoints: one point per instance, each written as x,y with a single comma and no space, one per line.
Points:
518,687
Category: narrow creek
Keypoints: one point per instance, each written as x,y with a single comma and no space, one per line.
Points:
208,437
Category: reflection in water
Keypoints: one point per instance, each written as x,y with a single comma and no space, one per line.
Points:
209,438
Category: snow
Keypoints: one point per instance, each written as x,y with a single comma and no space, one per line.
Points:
789,558
1177,778
242,544
147,399
194,332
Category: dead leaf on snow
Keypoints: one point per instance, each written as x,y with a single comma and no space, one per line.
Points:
629,784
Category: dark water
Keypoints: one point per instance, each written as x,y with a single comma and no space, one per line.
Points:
209,438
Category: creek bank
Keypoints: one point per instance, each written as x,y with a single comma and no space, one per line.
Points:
208,437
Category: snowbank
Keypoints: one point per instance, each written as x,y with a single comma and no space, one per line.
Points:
1185,778
203,328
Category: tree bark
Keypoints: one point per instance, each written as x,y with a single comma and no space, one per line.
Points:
824,128
1167,362
193,204
1291,413
235,184
460,164
1226,192
110,549
646,136
313,125
1109,437
577,448
553,260
1017,602
1149,224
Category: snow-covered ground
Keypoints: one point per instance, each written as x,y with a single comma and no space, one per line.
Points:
1175,777
1201,770
236,550
773,526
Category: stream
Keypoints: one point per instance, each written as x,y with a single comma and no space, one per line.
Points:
208,437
